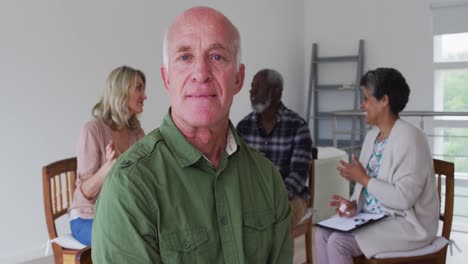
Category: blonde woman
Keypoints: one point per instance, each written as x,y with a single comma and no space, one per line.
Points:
113,129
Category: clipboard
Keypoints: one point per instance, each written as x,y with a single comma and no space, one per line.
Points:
342,224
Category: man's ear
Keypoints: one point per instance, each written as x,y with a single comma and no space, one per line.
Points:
277,93
164,76
240,78
385,100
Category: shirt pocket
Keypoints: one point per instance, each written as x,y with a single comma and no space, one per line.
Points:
183,246
258,233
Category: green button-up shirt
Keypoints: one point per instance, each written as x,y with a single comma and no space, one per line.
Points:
163,202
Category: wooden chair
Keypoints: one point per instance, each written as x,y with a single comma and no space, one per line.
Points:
305,225
83,256
441,168
58,182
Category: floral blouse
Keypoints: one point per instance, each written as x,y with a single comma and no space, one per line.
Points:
372,204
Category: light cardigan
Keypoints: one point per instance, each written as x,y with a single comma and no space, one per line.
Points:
405,187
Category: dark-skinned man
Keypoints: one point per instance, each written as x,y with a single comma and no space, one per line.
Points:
281,135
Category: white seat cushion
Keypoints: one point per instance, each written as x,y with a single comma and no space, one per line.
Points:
68,241
438,243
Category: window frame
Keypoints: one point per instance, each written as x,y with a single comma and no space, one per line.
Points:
446,122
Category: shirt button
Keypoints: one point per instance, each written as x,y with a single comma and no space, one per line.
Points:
186,244
125,163
224,220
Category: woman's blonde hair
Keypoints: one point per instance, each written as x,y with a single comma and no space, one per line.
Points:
113,106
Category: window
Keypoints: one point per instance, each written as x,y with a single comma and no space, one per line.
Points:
451,95
451,144
451,73
450,29
451,47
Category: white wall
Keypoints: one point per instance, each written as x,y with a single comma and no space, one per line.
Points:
396,34
54,59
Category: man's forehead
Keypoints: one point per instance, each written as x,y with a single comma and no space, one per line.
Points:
197,27
187,40
181,46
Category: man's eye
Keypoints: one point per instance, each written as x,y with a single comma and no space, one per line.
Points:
184,57
217,57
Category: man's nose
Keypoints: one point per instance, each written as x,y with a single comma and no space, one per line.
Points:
201,71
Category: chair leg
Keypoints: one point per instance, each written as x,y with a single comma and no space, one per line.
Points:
58,254
57,258
308,242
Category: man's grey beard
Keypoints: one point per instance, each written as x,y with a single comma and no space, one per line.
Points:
260,107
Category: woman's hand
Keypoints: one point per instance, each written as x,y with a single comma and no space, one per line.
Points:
354,171
344,207
111,154
91,186
111,157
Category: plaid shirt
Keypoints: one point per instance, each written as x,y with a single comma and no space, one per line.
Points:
288,146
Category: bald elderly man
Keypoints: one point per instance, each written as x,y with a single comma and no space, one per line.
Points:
192,191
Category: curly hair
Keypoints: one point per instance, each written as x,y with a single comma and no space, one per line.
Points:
390,82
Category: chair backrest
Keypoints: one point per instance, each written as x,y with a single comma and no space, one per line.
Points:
58,182
445,169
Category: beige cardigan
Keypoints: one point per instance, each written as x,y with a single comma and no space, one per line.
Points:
405,187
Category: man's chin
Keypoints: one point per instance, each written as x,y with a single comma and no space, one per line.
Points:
259,108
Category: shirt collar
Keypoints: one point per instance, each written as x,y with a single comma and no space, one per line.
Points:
231,144
185,153
280,111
